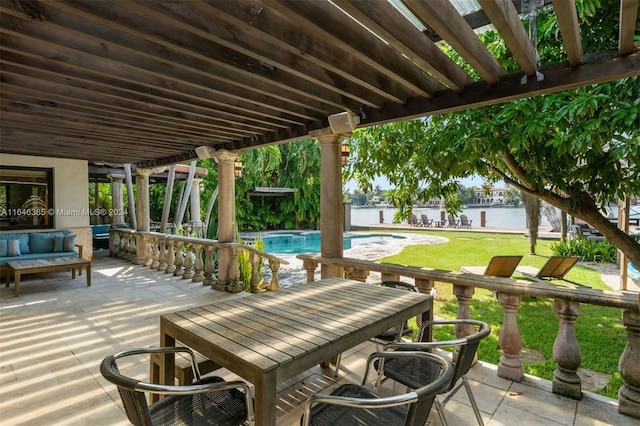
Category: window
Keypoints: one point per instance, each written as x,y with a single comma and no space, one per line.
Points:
26,195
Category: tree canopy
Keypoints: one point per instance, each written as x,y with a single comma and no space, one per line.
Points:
576,150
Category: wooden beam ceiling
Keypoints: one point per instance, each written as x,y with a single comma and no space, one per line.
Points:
147,82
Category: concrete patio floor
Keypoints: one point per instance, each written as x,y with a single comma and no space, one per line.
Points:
53,337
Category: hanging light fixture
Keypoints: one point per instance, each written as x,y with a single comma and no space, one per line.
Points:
237,169
344,154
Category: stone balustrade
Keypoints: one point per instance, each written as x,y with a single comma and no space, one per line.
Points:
191,258
566,350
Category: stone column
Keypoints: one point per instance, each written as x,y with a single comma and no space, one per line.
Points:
143,220
629,366
331,221
142,199
196,219
226,212
117,199
566,351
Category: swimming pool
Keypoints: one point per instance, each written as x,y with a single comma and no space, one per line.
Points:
296,242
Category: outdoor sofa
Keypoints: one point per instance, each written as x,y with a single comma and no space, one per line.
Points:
37,245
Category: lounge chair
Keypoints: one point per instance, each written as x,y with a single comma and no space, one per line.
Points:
465,222
499,266
452,222
413,220
554,269
426,221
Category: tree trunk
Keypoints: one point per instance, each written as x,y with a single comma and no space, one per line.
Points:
590,213
532,209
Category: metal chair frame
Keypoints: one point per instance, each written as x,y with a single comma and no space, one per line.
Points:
132,391
467,347
418,401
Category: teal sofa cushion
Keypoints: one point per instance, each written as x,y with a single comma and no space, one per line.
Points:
44,242
22,238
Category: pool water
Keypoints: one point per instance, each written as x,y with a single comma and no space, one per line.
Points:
296,242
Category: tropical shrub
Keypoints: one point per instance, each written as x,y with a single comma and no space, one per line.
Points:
587,250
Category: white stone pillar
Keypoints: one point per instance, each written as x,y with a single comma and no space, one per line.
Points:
117,199
226,214
196,219
331,213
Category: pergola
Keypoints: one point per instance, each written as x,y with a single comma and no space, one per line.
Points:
151,83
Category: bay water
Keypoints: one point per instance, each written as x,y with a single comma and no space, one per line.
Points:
497,217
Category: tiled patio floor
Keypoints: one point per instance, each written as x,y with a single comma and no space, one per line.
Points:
53,337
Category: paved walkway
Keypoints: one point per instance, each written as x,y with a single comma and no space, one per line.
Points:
53,337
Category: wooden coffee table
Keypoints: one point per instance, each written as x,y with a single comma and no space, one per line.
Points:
35,266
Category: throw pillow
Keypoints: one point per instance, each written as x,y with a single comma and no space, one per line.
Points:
13,248
58,244
4,248
69,243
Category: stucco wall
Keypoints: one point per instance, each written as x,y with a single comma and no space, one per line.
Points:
70,193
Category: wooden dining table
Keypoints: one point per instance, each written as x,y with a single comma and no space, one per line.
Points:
270,337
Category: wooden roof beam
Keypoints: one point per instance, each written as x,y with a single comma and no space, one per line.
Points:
567,15
327,21
505,18
444,19
387,22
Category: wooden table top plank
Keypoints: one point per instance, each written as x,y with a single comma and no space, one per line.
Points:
229,347
228,328
372,303
248,318
295,313
37,264
249,335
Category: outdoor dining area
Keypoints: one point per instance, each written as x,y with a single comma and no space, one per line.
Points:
276,342
136,88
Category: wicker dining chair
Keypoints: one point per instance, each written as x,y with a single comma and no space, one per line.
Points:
208,401
352,404
414,373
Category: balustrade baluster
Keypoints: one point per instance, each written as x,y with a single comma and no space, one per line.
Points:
234,285
254,259
310,267
162,253
464,295
141,242
360,274
629,366
510,366
114,243
179,259
274,265
124,253
188,262
171,257
198,264
133,246
154,253
566,351
426,287
209,278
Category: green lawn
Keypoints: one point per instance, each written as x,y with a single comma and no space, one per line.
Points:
599,330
